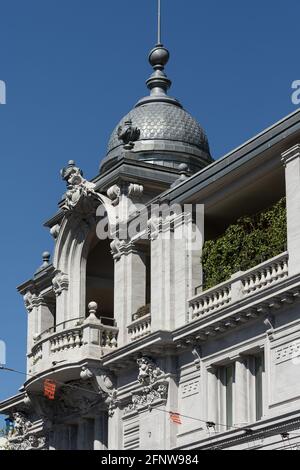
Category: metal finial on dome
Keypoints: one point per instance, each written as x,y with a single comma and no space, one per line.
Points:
159,83
159,23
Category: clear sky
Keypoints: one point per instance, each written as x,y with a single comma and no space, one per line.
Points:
73,68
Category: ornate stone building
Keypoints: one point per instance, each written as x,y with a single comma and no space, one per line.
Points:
124,326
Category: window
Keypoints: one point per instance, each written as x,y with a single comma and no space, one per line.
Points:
258,377
100,280
226,377
229,379
239,392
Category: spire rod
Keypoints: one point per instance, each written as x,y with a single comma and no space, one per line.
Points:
159,23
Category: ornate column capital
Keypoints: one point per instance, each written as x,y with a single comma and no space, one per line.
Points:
30,301
60,283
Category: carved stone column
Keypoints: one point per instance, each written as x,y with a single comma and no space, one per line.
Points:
291,160
31,303
130,287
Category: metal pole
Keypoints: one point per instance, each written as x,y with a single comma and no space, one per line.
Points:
159,23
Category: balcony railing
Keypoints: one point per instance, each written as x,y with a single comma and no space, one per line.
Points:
140,328
88,339
239,286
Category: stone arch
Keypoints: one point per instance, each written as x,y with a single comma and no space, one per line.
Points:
75,239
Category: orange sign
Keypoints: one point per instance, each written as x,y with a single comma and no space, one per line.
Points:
49,389
175,418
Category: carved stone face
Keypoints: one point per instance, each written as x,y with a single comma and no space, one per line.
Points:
75,177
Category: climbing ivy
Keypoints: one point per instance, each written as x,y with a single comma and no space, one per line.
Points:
248,242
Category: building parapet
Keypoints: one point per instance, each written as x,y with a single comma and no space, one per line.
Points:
240,286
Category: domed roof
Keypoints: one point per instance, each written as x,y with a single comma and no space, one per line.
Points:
163,122
159,130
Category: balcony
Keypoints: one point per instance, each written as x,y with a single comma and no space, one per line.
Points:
141,324
242,285
140,328
73,341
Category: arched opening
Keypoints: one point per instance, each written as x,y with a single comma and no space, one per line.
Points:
100,280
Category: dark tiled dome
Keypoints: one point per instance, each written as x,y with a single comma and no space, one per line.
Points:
163,122
163,133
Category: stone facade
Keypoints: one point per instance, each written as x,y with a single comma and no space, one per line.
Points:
125,329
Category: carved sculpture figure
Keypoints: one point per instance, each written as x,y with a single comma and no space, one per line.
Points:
148,371
128,134
78,186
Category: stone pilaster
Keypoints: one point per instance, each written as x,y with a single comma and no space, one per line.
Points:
187,264
45,318
241,392
161,289
115,430
212,395
31,304
291,160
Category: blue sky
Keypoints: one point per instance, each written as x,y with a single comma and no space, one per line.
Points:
74,67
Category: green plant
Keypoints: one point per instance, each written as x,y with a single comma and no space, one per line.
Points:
141,312
248,242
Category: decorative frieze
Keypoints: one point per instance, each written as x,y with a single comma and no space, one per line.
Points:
287,352
190,388
21,436
153,387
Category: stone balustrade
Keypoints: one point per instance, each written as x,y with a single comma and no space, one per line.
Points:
69,339
212,300
240,286
89,339
140,328
266,275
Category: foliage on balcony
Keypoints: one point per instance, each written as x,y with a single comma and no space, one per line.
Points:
245,244
141,312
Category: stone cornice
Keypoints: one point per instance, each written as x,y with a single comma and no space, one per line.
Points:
39,282
262,429
291,154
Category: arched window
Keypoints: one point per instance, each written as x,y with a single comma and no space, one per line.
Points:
100,280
